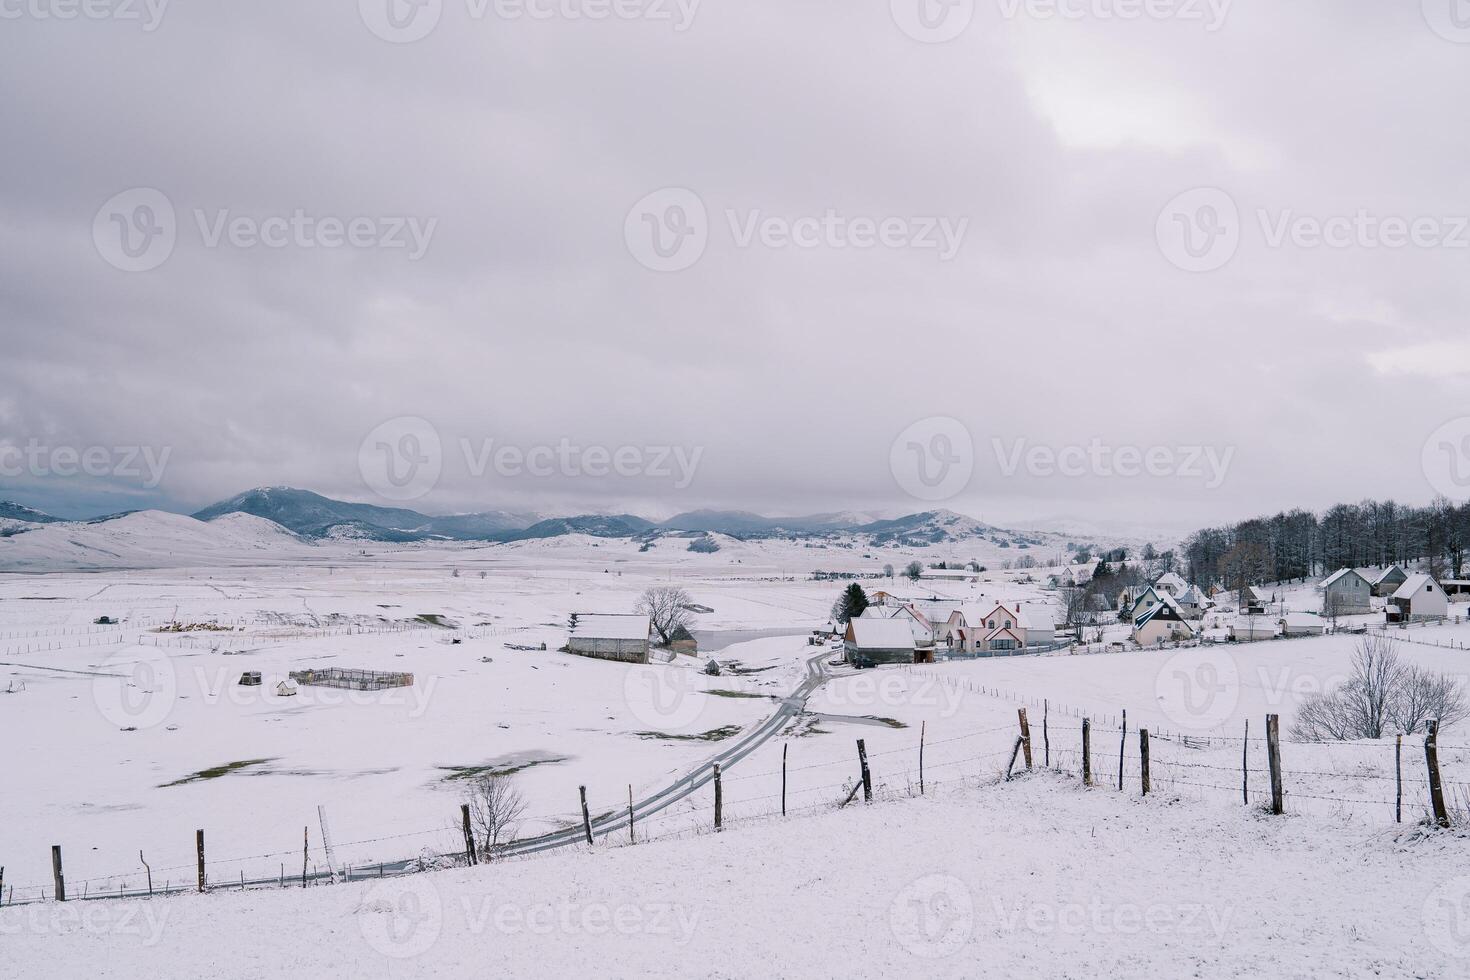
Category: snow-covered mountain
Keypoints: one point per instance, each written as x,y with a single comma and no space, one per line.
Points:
148,538
314,516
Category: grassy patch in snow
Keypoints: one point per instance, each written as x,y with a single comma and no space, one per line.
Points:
434,619
216,772
737,694
713,735
498,768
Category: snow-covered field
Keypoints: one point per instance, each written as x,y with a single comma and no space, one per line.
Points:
121,739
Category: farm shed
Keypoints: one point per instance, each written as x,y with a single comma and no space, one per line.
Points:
1301,624
1248,628
888,641
611,637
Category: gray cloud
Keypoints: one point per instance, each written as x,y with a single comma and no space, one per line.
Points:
528,321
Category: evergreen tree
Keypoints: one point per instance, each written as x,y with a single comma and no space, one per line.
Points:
850,604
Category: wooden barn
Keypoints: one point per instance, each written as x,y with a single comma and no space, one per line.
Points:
882,641
611,637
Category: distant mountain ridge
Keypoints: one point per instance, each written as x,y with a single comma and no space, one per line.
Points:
314,516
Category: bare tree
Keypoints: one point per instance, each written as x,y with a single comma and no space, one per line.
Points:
1381,694
913,571
1423,694
667,607
496,807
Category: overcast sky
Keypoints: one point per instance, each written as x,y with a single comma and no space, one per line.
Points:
994,253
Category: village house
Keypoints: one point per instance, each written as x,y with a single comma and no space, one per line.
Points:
1164,621
1139,601
1387,582
1171,583
611,637
1301,624
1002,629
1346,593
879,640
1419,599
1193,603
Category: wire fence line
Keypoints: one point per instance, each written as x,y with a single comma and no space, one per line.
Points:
978,758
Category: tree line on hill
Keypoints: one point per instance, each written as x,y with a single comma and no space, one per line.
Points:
1300,544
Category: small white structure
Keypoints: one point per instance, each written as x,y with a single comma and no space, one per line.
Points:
1246,629
1301,624
888,641
611,637
1346,593
1419,599
285,689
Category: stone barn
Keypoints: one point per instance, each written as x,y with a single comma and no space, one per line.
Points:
611,637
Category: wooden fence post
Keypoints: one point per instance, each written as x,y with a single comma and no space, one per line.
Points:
145,864
1025,735
1398,779
1245,765
199,847
867,776
1431,756
586,817
56,875
923,725
632,838
784,749
470,856
1143,757
719,800
1122,749
1046,732
1020,740
1086,751
1273,757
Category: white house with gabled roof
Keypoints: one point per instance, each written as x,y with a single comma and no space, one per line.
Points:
1419,599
